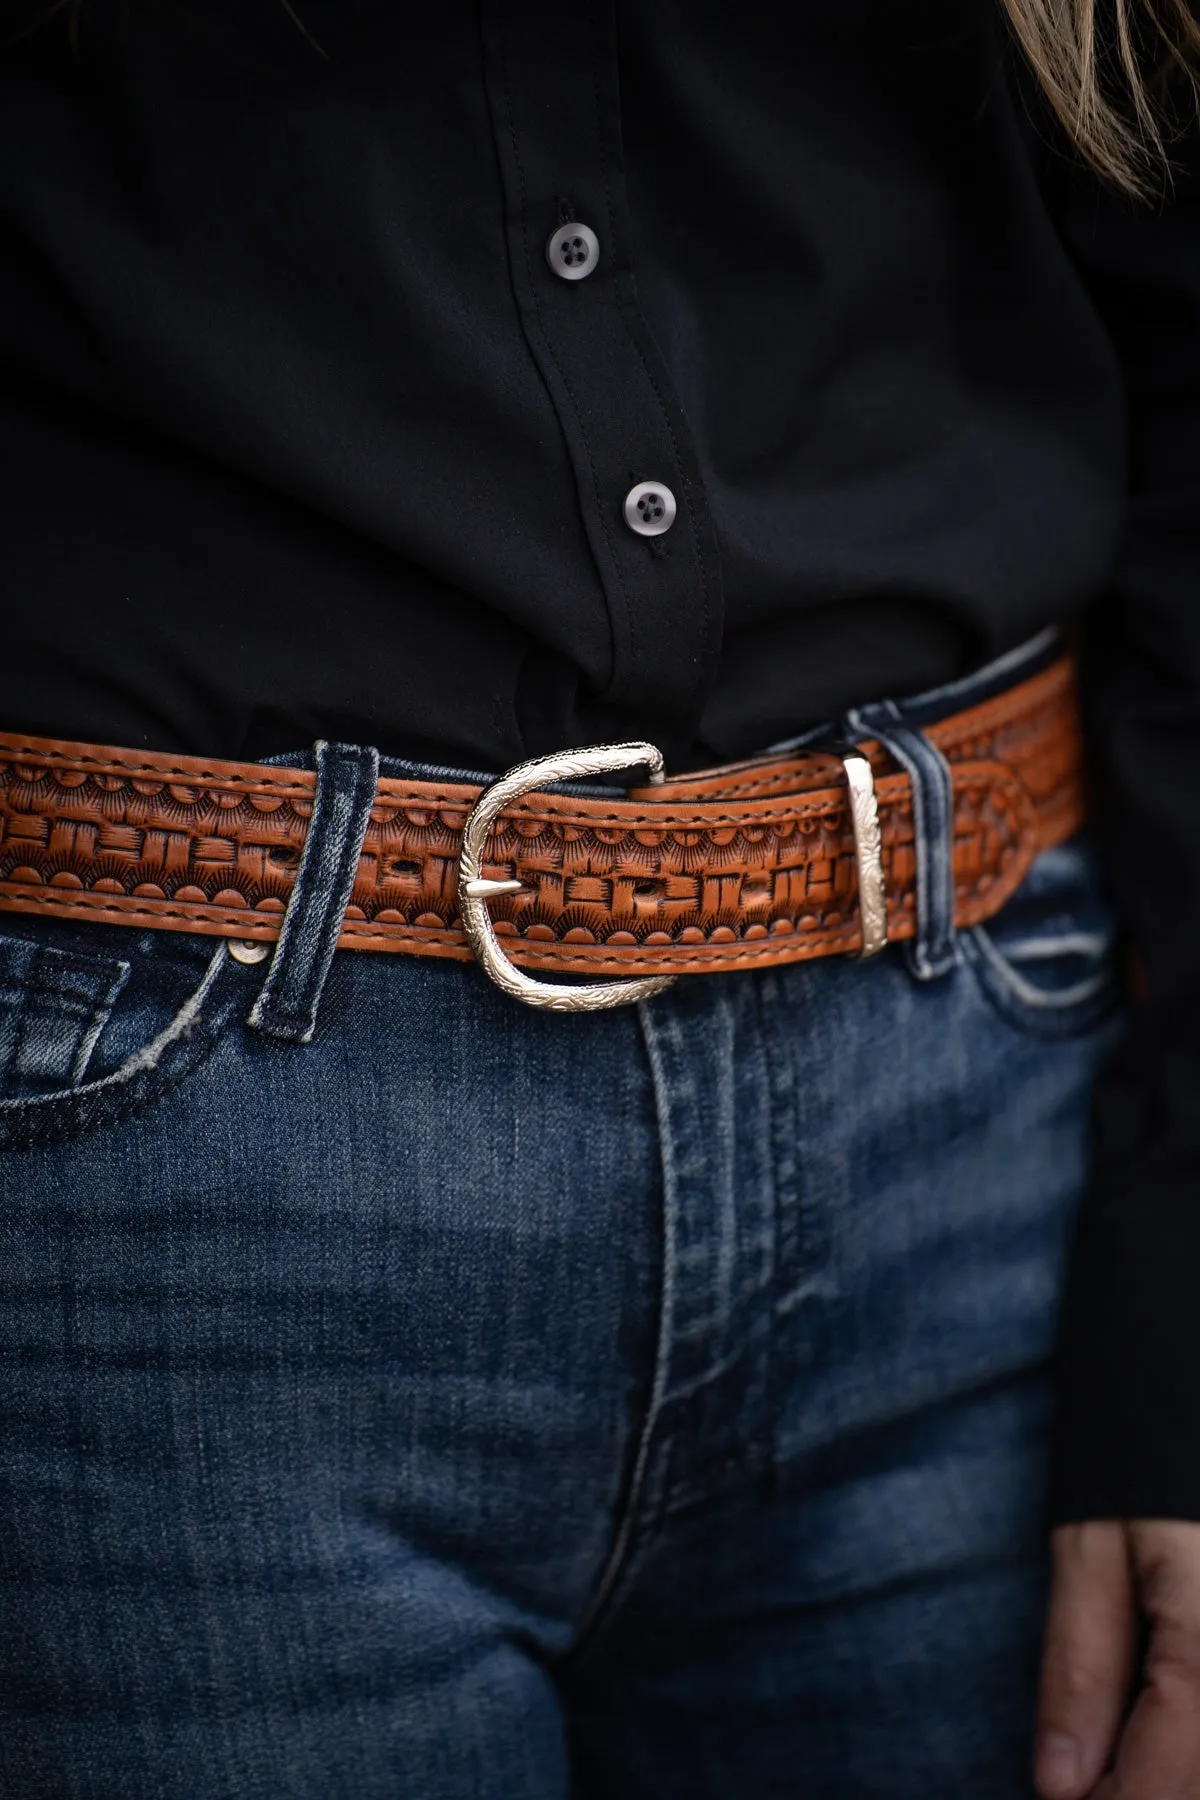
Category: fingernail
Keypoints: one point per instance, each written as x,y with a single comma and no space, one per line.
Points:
1057,1763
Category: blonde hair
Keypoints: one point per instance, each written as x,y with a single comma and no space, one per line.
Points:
1098,65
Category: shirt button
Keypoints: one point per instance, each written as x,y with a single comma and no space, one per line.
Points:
650,509
573,251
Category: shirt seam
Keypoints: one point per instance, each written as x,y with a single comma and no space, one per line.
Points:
547,341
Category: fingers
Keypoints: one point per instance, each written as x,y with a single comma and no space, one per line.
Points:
1087,1659
1159,1753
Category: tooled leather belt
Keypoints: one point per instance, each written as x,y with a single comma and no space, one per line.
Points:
736,868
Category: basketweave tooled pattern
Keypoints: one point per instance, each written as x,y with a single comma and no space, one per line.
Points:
203,852
105,832
702,882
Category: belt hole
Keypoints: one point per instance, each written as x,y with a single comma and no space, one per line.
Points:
403,868
650,893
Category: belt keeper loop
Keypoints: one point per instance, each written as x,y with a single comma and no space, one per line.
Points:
868,841
933,951
868,852
287,1003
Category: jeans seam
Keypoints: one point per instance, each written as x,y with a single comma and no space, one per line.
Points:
89,1037
145,1077
1027,993
633,1526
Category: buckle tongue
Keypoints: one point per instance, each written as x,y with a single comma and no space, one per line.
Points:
475,889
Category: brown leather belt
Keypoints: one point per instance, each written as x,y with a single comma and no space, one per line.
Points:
732,868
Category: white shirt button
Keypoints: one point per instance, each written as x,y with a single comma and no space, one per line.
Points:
573,251
650,509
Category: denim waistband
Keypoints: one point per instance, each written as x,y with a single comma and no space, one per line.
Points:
345,792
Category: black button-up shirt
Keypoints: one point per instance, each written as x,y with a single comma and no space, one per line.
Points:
306,433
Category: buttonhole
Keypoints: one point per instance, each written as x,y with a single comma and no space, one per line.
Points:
285,859
648,890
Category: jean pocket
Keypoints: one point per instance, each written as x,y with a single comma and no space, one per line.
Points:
1046,963
97,1022
54,1004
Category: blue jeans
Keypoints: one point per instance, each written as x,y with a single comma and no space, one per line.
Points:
473,1403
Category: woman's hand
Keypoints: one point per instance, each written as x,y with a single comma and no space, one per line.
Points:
1096,1737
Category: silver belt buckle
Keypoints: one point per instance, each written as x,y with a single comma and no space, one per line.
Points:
475,890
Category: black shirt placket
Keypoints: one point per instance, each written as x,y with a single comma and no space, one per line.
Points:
552,76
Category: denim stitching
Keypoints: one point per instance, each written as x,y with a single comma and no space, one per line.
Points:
148,1075
287,1003
631,1522
1046,999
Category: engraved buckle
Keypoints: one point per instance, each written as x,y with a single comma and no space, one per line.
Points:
475,889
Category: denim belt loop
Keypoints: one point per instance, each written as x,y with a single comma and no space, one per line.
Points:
287,1003
932,952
